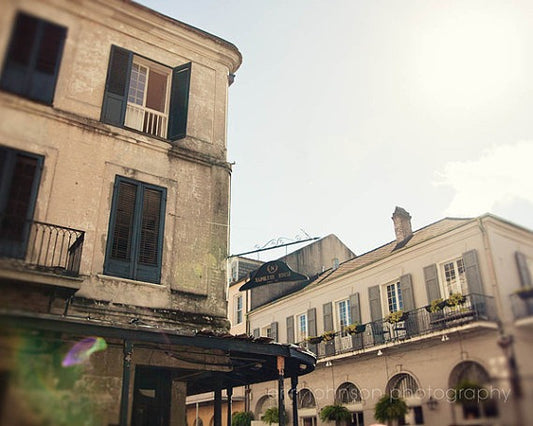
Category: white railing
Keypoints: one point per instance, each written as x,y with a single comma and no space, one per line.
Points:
146,120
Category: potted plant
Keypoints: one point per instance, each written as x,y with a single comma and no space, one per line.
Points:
272,415
436,305
354,328
396,316
242,418
455,299
525,293
390,409
335,413
328,335
314,340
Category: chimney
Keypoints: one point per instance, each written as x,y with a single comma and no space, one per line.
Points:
402,224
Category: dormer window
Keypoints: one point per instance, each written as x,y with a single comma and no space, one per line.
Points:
146,96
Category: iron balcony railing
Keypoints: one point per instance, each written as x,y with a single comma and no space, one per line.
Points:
42,246
522,304
418,322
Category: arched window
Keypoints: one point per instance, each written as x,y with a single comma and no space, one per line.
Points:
348,393
306,399
264,403
469,380
402,385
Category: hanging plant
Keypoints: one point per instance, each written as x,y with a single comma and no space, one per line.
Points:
335,413
467,392
242,418
396,316
272,415
456,299
389,409
328,335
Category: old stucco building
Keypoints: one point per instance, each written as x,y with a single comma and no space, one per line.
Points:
114,196
439,341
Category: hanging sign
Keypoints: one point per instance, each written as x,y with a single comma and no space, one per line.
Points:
272,272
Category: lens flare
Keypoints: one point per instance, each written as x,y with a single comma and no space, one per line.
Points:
81,351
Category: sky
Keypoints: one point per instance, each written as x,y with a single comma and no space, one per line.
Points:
344,109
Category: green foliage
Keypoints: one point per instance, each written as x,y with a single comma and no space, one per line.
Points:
328,335
336,413
468,392
242,418
455,299
272,415
390,408
395,317
436,305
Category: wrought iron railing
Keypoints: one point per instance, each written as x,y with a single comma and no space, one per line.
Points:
418,322
522,304
42,246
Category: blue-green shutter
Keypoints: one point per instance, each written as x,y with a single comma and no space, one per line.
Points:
311,328
327,312
117,86
432,282
408,297
274,331
355,314
523,269
134,247
376,314
179,102
473,272
33,58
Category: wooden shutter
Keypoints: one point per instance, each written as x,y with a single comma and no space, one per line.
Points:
311,327
274,330
355,314
355,308
327,310
47,61
472,272
290,329
117,86
20,175
256,332
406,287
432,282
34,54
179,102
374,302
149,253
523,269
136,228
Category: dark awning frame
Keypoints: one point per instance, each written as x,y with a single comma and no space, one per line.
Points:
252,361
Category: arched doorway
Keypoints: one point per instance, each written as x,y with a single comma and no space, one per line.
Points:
469,380
349,395
264,403
306,407
405,386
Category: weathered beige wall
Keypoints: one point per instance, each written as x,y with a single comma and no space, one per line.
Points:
83,155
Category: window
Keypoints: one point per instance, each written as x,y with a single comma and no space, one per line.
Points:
394,297
238,309
135,238
266,331
454,277
20,174
348,393
32,62
145,95
343,314
357,419
301,327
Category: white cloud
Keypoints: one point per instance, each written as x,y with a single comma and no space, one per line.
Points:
501,176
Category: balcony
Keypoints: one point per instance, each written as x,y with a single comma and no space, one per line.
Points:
42,246
419,322
146,120
522,304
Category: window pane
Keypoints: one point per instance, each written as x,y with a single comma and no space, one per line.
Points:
157,89
124,221
148,252
137,84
